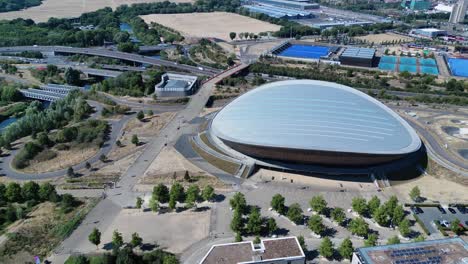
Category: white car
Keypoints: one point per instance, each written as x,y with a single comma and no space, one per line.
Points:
445,223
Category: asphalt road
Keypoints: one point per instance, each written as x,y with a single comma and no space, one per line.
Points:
123,195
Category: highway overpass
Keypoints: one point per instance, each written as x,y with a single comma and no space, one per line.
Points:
102,52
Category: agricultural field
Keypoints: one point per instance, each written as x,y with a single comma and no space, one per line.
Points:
385,37
210,25
71,8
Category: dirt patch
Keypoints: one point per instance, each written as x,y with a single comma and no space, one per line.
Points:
180,230
63,160
149,126
385,37
71,8
170,166
210,25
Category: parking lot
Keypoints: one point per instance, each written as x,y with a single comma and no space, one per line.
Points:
432,213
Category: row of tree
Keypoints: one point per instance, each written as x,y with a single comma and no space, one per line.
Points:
177,194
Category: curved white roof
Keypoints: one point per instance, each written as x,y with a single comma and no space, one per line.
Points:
314,115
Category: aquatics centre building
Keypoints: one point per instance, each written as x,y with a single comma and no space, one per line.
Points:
312,122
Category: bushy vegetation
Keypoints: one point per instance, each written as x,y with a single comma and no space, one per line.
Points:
208,51
13,5
89,133
126,255
129,83
72,108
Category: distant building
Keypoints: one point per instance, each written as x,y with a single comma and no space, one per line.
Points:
272,251
458,12
363,57
442,251
325,25
416,5
429,32
176,85
279,12
289,4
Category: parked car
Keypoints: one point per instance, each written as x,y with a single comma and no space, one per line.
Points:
414,210
441,209
445,223
452,210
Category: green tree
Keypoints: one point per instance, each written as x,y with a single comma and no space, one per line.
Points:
117,240
238,237
47,192
172,203
30,191
43,139
326,248
254,224
456,227
359,205
257,240
161,193
237,222
415,194
359,227
208,193
338,215
177,192
271,226
419,238
103,158
192,196
139,202
346,249
232,35
393,240
70,172
238,202
88,165
136,240
80,259
371,240
318,204
154,205
140,115
315,224
95,237
72,76
67,202
398,215
135,140
373,204
404,227
302,243
13,192
381,216
390,205
277,203
295,213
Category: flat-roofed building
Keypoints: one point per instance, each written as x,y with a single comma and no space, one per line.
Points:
441,251
289,4
429,32
278,12
176,85
363,57
285,250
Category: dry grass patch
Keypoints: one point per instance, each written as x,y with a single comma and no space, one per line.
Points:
71,8
210,25
385,37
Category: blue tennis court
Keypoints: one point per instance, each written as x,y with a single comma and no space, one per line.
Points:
408,68
427,62
387,66
305,51
388,59
429,70
459,67
408,60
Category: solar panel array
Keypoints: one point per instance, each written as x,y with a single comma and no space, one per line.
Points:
415,256
364,53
